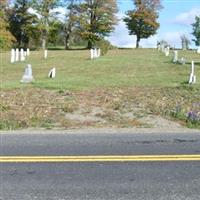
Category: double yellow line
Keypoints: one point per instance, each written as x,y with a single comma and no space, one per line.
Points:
97,158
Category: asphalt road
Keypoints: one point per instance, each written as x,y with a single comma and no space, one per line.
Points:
171,180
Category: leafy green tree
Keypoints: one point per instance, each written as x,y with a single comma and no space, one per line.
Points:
45,11
142,21
70,21
6,38
21,22
196,30
96,19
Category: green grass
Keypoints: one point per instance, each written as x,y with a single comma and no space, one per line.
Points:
119,68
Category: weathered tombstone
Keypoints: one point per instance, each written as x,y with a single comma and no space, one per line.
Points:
25,53
175,56
198,50
45,54
12,56
95,53
27,77
183,61
91,54
158,47
17,55
192,75
167,51
28,52
22,58
98,52
52,73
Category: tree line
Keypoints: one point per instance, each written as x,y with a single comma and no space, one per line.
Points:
36,23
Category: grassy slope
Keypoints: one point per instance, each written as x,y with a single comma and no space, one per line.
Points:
143,67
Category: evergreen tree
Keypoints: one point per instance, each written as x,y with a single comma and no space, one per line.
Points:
196,30
21,22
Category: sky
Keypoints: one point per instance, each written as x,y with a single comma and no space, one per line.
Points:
175,20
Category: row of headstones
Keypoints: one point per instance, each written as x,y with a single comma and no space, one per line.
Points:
28,74
17,55
192,78
95,53
164,49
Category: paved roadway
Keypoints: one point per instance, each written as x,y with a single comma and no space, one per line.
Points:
149,180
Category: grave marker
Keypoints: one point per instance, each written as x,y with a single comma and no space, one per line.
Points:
28,52
27,77
175,56
45,54
17,55
52,73
192,75
22,58
198,50
12,56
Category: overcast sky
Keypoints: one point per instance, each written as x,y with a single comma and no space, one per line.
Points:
175,19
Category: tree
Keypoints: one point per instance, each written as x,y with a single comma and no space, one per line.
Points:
196,30
44,9
185,42
70,23
21,22
6,38
96,19
142,21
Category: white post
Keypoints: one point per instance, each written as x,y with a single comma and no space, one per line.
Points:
12,56
17,55
28,52
22,58
91,54
192,76
45,54
98,52
175,58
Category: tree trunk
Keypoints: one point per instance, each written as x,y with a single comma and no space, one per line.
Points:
138,42
89,44
67,37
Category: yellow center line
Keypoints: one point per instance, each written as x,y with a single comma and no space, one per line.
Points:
98,158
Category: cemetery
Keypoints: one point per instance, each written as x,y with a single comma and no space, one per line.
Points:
69,89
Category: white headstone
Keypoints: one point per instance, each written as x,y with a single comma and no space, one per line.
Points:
27,77
45,54
183,61
25,53
22,58
159,47
98,52
28,52
91,54
52,73
12,56
198,50
17,55
95,53
167,51
175,56
192,76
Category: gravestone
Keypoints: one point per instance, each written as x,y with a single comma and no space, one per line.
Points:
159,47
28,52
22,58
12,56
25,53
91,54
175,56
167,51
198,50
17,55
98,52
192,75
27,77
95,53
45,54
52,73
183,61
